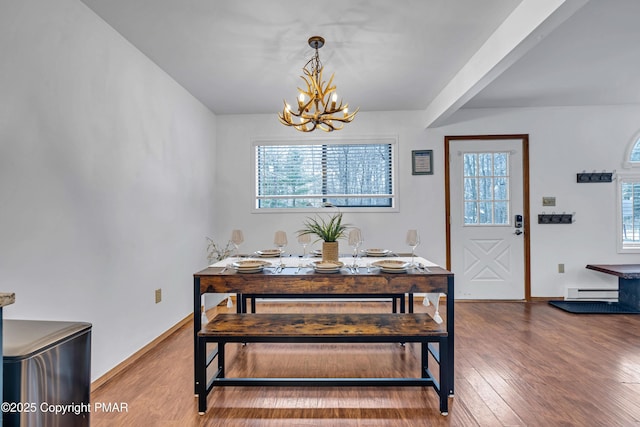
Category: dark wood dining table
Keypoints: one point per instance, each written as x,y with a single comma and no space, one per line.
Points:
291,282
628,283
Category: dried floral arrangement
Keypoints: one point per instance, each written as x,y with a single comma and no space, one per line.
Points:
216,252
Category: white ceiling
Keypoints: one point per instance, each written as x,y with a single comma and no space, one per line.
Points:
591,59
245,56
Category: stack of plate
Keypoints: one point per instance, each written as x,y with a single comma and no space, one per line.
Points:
269,253
392,266
327,266
316,252
377,252
250,265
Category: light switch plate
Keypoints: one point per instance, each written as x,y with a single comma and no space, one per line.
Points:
548,201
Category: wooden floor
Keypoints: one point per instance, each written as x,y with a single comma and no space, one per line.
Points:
517,364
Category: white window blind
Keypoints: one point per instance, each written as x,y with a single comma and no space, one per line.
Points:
315,174
629,213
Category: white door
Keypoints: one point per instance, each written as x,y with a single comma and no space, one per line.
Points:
486,224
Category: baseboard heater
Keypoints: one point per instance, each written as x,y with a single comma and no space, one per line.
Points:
591,294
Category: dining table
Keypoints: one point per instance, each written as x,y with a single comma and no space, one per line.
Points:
628,284
296,277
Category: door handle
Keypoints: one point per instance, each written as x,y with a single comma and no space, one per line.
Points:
518,232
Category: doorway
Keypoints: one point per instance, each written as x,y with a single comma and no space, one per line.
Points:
487,216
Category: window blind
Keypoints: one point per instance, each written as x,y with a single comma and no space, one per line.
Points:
630,211
313,175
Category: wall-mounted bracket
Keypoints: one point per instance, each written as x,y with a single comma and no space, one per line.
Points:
555,218
586,177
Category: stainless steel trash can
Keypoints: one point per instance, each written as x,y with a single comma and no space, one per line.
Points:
47,373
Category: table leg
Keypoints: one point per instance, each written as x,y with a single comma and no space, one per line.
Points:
197,325
201,378
241,303
629,293
450,335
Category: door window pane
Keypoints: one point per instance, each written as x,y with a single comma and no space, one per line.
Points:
501,164
470,213
470,189
486,188
500,189
486,212
485,164
470,164
501,213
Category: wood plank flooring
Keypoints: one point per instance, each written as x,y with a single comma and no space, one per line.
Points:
517,364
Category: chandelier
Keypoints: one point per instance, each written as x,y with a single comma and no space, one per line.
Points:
317,105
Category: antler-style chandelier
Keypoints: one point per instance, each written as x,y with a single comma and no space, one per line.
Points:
317,106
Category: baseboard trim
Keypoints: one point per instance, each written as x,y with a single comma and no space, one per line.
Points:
138,354
545,299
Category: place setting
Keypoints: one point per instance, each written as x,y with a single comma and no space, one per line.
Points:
327,266
250,265
269,253
392,266
398,265
377,252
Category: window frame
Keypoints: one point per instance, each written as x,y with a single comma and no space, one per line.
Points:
628,163
623,248
392,140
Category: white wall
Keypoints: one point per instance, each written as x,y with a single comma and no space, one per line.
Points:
420,196
105,179
563,142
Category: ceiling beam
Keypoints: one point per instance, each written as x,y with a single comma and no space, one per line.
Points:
527,25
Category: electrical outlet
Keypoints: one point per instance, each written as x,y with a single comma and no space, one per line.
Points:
158,295
560,268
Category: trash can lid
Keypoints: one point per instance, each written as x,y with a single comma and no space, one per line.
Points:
22,338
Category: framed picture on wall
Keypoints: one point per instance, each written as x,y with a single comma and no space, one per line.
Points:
422,162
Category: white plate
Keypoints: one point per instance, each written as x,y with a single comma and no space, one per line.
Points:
377,252
250,264
327,267
392,264
269,253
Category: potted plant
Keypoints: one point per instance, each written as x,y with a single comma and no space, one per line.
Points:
329,231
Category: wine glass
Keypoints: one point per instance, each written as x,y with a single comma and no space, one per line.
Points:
355,240
237,238
304,240
413,240
280,240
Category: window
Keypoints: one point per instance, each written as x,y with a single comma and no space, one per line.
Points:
629,214
358,174
628,210
486,188
635,153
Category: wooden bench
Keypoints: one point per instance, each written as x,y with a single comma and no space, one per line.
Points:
322,328
396,299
